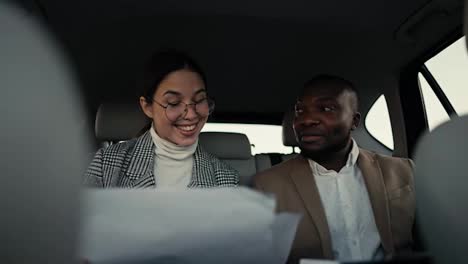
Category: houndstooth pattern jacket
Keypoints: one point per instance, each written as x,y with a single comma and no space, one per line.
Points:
130,164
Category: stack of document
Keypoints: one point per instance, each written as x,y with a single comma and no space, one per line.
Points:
184,226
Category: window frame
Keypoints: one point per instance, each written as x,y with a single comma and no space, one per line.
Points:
411,97
437,89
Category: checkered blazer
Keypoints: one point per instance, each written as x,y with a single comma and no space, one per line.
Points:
130,164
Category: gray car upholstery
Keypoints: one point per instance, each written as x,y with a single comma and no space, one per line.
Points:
267,160
441,162
119,121
43,144
234,149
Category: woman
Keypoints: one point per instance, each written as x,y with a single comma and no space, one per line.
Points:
167,154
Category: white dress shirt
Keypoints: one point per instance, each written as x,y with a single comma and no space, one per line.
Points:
348,210
173,164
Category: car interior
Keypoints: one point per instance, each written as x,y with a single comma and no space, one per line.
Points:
257,56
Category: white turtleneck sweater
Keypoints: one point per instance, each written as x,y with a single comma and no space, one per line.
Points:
172,164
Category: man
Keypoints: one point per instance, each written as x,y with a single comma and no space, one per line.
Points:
356,205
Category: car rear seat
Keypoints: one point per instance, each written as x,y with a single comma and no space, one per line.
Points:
232,148
117,122
289,138
266,160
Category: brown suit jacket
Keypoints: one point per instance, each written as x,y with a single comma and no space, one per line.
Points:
389,182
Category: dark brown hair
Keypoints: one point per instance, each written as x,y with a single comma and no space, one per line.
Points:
163,63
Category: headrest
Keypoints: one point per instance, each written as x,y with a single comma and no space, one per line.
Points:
119,121
40,191
440,182
226,145
289,138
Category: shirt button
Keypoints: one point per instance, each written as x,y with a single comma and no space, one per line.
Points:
354,242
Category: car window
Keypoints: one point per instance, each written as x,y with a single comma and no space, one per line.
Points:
263,138
378,122
435,112
449,68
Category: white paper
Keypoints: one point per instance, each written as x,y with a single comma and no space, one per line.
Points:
184,226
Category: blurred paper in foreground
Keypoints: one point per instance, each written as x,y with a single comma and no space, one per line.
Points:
318,261
191,226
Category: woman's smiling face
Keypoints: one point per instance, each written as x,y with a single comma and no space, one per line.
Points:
178,90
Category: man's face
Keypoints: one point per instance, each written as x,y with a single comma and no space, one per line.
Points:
324,118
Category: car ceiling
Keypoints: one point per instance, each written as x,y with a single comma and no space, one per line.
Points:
256,54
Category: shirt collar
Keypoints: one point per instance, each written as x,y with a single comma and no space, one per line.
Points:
353,155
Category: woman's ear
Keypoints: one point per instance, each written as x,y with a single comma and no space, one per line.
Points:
146,107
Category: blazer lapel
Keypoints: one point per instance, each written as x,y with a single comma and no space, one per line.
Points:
140,172
304,181
373,178
202,172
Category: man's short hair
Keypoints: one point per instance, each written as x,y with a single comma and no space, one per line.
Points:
323,79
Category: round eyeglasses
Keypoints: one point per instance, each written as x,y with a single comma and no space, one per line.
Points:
174,112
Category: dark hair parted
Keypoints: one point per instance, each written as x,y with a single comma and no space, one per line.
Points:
327,79
163,63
